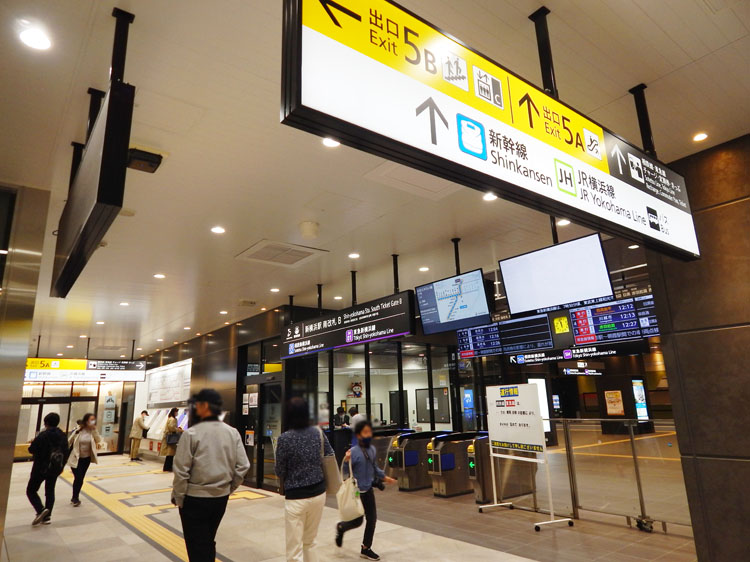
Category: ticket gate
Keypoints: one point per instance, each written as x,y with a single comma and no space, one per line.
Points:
448,463
512,478
381,440
407,458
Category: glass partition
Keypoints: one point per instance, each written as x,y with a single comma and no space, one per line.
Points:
416,386
441,388
384,384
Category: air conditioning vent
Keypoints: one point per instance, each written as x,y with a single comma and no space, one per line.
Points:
280,253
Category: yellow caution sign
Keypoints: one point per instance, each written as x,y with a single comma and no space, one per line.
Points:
394,37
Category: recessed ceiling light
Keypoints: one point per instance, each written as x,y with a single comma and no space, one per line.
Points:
275,309
354,255
223,312
424,268
3,252
59,354
489,196
159,339
35,37
197,333
218,230
122,356
275,290
139,349
69,346
563,222
633,247
338,298
186,328
226,323
175,342
159,276
700,137
100,322
330,143
83,336
157,349
124,304
276,345
264,308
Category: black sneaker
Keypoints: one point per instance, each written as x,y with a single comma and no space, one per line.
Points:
75,503
368,554
339,535
40,517
47,520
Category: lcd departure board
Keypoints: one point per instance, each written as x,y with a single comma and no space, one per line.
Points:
453,303
615,321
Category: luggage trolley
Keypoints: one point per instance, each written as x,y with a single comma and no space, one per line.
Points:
407,458
448,463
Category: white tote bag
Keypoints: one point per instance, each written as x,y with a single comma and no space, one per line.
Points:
350,505
330,470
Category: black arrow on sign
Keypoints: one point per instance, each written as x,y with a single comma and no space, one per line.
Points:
328,4
429,102
529,105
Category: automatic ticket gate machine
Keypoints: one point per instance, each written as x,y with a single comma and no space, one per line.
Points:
381,439
512,478
407,460
448,463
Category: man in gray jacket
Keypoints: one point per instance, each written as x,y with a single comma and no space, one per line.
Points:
209,465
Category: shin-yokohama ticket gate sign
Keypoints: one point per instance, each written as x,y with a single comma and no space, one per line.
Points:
379,78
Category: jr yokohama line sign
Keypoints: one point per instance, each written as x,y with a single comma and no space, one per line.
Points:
379,78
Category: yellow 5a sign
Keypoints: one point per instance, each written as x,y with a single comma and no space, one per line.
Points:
379,78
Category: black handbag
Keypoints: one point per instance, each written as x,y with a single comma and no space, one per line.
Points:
173,438
144,434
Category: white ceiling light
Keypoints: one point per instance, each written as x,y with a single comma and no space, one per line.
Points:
223,312
34,36
700,137
124,304
159,339
100,322
633,247
159,276
83,336
3,252
186,328
274,290
338,298
489,196
69,346
331,143
139,349
263,308
563,222
424,268
122,357
354,255
226,323
218,230
59,354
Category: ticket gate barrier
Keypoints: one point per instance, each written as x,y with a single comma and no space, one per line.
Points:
512,479
407,457
448,463
381,440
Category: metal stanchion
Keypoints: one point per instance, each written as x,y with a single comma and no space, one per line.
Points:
571,468
644,523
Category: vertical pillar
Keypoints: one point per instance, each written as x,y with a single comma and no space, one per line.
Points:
395,273
456,255
403,416
644,123
120,47
703,308
368,397
320,299
430,389
354,288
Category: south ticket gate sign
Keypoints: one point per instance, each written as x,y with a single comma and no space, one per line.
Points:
379,78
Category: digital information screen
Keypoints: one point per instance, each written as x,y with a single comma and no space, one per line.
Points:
508,336
639,395
453,303
572,273
618,320
479,341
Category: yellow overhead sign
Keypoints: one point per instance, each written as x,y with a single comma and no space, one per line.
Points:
394,37
56,364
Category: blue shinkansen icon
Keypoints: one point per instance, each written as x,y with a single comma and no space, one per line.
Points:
291,349
471,137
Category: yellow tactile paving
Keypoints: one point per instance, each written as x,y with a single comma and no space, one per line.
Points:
138,516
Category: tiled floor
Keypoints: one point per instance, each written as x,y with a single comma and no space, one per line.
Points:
126,515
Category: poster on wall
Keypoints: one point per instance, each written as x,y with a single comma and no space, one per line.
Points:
615,405
245,410
170,383
639,394
514,418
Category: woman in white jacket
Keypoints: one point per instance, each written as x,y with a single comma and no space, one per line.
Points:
83,444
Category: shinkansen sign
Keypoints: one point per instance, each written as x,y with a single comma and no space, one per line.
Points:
379,78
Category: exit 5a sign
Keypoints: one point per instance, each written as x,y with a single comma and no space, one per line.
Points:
379,78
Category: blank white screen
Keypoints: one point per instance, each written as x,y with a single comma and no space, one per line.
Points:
565,273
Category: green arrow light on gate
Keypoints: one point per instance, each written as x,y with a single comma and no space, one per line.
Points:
471,464
429,460
390,459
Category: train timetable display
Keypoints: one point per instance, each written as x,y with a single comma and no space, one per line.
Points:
453,303
618,320
479,341
508,336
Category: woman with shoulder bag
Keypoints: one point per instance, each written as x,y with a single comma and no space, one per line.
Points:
299,464
362,458
171,437
83,444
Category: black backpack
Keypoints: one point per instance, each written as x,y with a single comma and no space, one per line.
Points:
57,459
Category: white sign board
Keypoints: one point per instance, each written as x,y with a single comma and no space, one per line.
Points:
170,383
381,79
514,418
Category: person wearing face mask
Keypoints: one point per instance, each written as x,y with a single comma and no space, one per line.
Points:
83,443
368,473
138,432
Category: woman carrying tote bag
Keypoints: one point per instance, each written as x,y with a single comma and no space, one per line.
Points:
169,442
299,464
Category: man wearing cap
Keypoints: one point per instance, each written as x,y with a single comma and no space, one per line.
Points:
138,432
210,464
